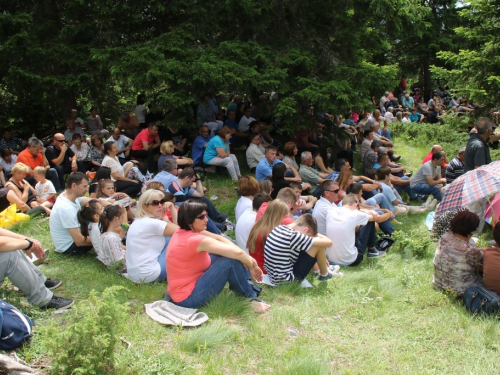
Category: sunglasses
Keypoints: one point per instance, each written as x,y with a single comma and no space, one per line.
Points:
156,202
59,140
202,217
336,191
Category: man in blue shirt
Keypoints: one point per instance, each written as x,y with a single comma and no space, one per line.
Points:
168,174
265,167
238,138
199,145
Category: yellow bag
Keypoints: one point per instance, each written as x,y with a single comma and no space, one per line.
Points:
9,217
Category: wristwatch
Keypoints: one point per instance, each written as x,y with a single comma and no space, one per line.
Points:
30,244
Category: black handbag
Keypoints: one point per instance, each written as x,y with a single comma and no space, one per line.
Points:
478,300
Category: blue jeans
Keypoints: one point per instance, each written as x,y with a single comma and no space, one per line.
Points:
412,194
365,238
385,133
317,193
212,228
386,226
379,199
162,261
425,189
222,270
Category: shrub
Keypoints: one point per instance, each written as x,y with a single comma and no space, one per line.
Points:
86,344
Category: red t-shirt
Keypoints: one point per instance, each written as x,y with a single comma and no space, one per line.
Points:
184,264
27,158
429,157
259,246
143,136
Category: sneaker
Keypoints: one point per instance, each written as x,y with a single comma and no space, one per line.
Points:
327,277
58,303
409,174
229,225
53,284
375,253
333,269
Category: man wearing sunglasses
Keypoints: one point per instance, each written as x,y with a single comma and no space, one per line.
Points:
330,193
62,158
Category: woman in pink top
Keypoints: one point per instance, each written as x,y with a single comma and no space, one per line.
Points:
200,263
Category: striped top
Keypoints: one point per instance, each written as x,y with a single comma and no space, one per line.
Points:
281,251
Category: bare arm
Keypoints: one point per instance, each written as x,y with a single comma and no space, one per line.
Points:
322,241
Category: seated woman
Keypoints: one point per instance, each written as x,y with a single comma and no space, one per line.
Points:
148,238
247,188
278,179
321,159
7,161
96,151
217,153
120,173
166,150
456,259
200,263
81,150
290,152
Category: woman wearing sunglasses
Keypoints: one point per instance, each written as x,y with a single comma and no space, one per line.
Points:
148,238
200,263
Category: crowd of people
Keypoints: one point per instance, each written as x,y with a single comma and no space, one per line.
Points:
302,209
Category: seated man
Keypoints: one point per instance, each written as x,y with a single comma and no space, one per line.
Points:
62,158
456,166
310,200
265,167
64,225
310,175
246,119
415,116
15,145
182,191
349,247
428,178
400,181
199,145
146,144
72,129
123,144
34,156
291,251
371,156
129,124
168,174
330,193
15,265
435,116
77,120
255,151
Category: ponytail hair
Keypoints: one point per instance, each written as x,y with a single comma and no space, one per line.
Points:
101,185
110,212
86,216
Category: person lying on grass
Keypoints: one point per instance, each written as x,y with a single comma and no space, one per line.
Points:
200,263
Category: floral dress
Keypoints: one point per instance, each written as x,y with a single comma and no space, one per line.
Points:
455,264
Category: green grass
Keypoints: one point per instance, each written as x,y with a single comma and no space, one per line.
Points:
381,317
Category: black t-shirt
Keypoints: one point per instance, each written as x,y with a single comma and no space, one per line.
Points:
278,185
52,153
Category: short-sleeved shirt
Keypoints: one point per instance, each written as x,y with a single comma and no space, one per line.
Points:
68,134
477,153
370,160
198,148
425,170
244,123
264,169
184,264
27,158
165,178
319,212
7,167
309,175
114,165
213,144
254,154
244,225
143,136
64,217
180,194
43,191
53,153
111,248
389,194
341,226
429,157
281,251
120,143
454,170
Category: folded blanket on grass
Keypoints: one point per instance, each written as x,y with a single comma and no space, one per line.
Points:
169,314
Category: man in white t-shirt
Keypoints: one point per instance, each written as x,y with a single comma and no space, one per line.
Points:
330,193
64,225
349,247
245,120
78,121
246,221
123,144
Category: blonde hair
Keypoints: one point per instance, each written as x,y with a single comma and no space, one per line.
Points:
147,197
343,179
167,148
20,167
273,217
155,185
265,186
101,185
287,195
40,170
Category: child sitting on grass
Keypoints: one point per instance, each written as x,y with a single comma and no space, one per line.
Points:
106,192
44,190
113,223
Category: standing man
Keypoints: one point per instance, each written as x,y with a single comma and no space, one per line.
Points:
146,144
477,154
62,158
34,156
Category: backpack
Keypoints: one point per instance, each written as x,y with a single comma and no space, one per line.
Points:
15,327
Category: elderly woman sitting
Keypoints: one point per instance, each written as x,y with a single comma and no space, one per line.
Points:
200,263
166,150
217,153
148,238
456,260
